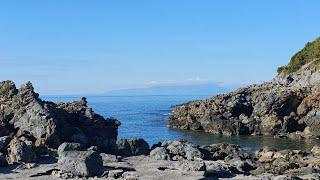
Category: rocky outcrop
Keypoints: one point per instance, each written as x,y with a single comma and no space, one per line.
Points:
23,113
258,109
31,128
286,104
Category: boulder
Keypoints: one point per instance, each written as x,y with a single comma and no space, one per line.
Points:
183,149
312,119
80,163
134,147
218,169
186,165
68,147
109,158
223,152
265,155
21,150
160,153
241,167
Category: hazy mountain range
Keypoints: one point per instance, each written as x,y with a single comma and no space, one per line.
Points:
191,89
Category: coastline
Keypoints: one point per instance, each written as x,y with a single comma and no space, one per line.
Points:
78,143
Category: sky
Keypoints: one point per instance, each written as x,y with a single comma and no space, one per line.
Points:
90,47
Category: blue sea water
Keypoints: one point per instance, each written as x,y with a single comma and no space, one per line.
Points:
147,117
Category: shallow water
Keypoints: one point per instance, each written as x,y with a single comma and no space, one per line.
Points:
146,117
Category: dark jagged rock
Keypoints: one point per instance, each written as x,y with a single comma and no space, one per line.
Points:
3,161
224,152
132,147
23,112
4,141
286,104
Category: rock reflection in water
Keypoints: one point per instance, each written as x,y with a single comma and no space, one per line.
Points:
250,142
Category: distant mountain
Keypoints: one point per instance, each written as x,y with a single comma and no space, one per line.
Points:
194,89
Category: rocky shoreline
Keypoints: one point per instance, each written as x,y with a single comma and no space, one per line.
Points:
288,105
44,140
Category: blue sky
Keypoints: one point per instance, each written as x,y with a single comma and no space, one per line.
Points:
85,47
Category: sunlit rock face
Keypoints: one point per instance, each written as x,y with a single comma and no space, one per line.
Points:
286,104
23,113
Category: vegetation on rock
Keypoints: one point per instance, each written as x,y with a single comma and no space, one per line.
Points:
311,52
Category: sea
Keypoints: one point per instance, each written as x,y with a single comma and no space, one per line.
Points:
147,117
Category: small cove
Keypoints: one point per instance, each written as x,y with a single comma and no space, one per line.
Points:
146,117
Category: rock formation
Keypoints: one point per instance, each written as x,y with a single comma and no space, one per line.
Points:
24,114
44,140
29,126
289,103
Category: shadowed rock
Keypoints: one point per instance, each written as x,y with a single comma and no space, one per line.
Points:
21,150
132,147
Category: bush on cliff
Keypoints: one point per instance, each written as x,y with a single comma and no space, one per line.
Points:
311,52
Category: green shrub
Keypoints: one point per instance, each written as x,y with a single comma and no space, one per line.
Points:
311,52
